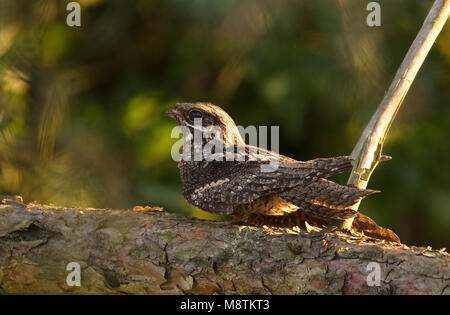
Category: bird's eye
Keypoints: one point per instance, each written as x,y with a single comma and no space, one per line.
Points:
195,114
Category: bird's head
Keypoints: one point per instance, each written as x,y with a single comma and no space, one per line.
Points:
206,118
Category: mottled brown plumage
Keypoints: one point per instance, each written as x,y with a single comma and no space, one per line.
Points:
294,193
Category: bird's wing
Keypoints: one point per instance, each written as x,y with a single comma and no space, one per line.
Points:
230,183
325,193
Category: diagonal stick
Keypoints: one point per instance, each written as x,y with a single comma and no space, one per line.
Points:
367,151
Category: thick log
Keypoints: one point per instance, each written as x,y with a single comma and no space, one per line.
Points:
138,252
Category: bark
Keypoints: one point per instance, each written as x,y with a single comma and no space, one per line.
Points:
138,252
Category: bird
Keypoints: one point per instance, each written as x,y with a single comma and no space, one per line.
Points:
231,180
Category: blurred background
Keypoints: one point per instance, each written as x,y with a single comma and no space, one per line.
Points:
81,108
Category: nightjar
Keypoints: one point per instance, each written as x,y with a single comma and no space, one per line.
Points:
222,174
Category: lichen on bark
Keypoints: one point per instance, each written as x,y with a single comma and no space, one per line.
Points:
138,252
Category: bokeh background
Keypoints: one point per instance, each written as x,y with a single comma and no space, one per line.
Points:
81,108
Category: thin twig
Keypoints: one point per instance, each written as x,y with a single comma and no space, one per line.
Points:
367,151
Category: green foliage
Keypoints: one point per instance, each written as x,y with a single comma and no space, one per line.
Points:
81,108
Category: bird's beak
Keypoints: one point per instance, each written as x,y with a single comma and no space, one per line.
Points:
172,113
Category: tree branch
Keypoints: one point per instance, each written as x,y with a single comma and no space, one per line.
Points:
367,151
125,251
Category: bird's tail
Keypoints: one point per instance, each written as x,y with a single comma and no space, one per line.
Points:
366,225
326,167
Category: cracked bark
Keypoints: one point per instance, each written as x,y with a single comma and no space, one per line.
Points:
125,251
